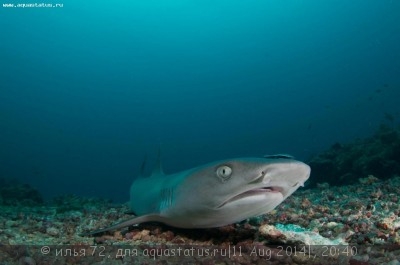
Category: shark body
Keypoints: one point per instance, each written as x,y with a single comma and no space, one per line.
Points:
215,194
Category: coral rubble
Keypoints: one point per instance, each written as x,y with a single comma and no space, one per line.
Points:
343,164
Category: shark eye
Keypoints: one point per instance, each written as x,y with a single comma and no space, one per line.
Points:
224,172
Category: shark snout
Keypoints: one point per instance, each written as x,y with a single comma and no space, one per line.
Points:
301,173
285,177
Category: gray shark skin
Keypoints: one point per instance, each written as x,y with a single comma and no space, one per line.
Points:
215,194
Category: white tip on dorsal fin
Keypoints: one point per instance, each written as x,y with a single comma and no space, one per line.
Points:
157,171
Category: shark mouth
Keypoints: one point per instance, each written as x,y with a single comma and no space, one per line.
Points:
253,192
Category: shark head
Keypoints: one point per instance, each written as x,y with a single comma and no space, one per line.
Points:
229,191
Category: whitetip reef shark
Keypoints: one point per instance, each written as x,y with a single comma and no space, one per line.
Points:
215,194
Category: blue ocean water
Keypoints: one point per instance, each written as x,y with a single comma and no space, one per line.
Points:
89,88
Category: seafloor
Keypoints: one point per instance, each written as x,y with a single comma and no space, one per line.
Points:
355,224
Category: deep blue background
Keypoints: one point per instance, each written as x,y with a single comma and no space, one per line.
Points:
88,89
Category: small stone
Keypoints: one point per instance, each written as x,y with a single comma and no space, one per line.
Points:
27,261
178,240
52,231
331,224
145,232
270,231
305,203
393,262
168,235
10,223
128,236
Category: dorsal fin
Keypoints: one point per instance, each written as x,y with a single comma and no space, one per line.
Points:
282,156
157,171
143,167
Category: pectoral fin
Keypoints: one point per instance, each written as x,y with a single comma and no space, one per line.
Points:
132,221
